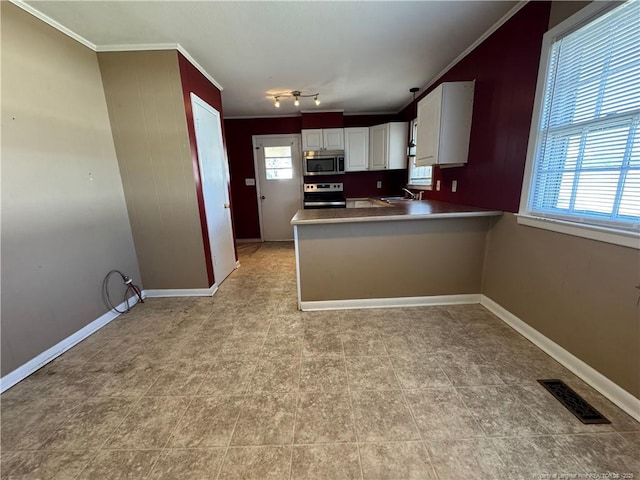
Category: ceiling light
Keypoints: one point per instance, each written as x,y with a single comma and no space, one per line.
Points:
297,95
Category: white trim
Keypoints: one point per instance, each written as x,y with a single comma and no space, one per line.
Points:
393,302
22,372
139,47
113,48
253,117
506,17
200,68
525,216
237,264
602,384
592,232
53,23
159,46
182,292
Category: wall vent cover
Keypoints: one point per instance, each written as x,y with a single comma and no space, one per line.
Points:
573,402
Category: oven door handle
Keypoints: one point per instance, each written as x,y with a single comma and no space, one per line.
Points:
324,204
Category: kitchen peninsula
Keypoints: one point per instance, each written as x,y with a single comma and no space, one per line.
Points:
411,253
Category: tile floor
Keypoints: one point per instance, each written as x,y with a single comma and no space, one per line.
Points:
244,386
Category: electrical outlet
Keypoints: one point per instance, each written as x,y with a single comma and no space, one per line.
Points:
379,184
454,186
250,182
437,185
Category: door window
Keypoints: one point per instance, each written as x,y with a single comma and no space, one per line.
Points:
278,163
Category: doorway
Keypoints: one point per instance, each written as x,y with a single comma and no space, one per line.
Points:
278,166
214,174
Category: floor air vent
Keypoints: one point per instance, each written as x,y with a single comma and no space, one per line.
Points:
573,402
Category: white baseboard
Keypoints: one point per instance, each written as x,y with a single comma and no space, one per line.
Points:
389,302
602,384
22,372
248,240
182,292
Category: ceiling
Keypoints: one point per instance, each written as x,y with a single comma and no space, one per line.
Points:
361,57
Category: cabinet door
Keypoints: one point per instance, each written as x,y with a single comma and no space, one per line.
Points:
356,149
428,128
333,138
398,139
312,139
378,147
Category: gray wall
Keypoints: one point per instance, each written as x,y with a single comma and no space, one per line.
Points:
64,219
146,108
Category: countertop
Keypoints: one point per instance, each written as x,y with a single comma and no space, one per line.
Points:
415,210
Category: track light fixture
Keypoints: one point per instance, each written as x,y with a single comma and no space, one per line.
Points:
297,95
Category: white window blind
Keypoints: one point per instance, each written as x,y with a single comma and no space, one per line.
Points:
587,158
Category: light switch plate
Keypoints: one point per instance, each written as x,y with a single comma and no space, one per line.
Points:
250,182
454,186
379,184
437,185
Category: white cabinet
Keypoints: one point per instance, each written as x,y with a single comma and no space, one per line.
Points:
333,138
356,149
444,125
323,139
388,146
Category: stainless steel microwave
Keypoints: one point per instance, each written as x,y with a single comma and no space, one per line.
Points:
324,162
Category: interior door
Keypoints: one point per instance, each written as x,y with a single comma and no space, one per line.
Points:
279,168
214,173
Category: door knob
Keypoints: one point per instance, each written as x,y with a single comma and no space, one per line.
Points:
226,205
262,197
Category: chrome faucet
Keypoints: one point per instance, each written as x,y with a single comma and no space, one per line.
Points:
412,195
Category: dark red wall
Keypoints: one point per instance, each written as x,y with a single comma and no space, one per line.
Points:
505,67
193,81
240,150
322,120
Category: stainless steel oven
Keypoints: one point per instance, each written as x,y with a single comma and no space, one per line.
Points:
323,162
324,195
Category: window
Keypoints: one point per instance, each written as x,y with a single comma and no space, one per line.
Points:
420,178
278,163
584,152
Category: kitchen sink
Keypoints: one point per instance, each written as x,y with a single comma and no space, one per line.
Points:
396,199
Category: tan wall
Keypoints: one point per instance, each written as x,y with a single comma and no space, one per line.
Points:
64,219
144,97
578,292
391,259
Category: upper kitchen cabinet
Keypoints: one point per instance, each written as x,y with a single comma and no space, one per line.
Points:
388,146
356,149
444,125
323,139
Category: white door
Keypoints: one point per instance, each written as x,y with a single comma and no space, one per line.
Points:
214,174
278,166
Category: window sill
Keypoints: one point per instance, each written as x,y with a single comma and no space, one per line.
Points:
420,187
592,232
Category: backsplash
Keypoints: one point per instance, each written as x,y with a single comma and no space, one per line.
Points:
363,184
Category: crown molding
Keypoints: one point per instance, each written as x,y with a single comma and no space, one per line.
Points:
470,48
55,24
114,48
